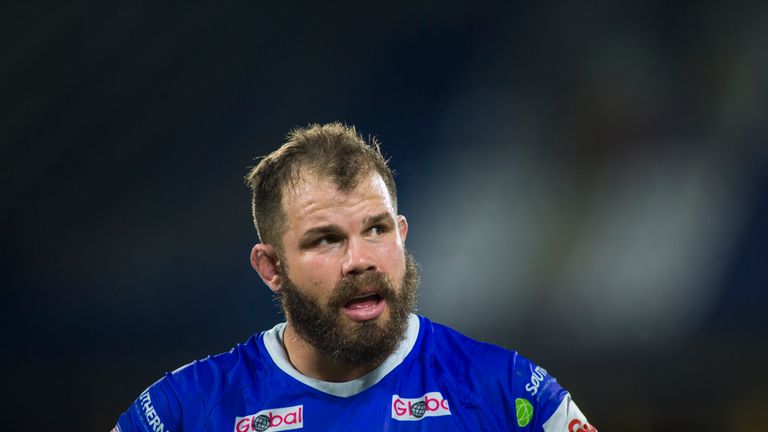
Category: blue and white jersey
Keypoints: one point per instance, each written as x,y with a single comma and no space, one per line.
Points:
436,380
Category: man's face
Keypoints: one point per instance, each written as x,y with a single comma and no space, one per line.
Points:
348,284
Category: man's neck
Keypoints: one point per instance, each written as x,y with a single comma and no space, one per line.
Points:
309,362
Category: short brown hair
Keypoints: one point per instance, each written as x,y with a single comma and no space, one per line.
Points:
332,150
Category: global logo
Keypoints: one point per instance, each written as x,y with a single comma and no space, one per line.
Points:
523,411
273,420
432,404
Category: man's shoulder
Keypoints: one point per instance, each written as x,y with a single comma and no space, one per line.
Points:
487,364
216,374
444,340
185,397
487,372
201,383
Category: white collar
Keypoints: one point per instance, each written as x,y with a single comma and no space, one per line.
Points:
274,336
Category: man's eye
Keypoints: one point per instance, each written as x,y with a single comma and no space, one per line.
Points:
378,229
322,241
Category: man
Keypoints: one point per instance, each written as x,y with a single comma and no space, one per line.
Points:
352,355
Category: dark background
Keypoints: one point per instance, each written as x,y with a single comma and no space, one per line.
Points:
586,182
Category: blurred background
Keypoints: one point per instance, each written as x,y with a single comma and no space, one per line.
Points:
586,182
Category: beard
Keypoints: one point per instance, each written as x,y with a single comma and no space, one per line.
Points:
353,343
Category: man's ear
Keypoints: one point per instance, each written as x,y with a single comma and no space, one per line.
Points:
265,260
402,226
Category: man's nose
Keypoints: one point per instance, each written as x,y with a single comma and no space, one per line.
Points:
359,258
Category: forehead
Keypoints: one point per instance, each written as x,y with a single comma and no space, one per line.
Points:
315,199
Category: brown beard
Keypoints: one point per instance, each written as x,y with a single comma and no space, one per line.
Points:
365,343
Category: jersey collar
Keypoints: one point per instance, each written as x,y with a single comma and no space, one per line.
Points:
273,343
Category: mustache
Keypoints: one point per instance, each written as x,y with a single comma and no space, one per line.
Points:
355,285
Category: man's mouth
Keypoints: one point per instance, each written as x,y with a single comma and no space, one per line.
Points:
363,302
364,307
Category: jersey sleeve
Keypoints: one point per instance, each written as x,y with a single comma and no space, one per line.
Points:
541,404
567,417
157,409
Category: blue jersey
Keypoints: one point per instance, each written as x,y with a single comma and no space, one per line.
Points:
436,380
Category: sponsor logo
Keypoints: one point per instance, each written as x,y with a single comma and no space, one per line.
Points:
523,411
536,378
153,420
432,404
273,419
577,426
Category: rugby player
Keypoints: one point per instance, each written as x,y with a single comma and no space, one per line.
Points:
352,355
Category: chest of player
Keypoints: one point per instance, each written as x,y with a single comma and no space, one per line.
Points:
391,405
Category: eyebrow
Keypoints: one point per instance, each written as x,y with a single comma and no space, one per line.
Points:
325,229
381,217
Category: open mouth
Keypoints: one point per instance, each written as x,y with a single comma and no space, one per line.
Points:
365,307
363,302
